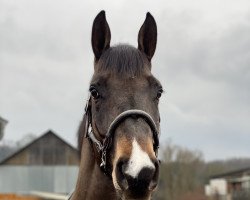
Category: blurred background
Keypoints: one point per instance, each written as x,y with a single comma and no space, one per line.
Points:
202,60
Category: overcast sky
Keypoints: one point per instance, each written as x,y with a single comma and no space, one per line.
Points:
202,60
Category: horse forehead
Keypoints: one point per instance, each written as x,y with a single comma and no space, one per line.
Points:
126,83
112,79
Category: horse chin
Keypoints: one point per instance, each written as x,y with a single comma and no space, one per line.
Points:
126,195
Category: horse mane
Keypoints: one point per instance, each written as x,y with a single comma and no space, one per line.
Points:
81,133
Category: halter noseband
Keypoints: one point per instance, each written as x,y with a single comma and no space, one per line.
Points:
103,147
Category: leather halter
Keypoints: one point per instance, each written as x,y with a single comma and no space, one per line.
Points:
104,146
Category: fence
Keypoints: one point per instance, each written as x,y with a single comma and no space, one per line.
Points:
23,179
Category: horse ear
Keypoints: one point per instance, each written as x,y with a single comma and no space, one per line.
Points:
100,35
147,36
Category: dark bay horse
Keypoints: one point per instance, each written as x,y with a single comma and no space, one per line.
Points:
118,137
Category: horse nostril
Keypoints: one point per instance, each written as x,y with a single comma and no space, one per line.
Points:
120,168
145,180
140,185
154,180
146,175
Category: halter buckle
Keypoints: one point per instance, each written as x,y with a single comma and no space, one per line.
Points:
103,159
99,146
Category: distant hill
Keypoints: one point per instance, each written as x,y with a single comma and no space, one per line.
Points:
222,166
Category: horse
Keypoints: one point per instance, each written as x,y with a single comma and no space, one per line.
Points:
118,138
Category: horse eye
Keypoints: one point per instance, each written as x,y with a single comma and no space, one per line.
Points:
94,93
159,93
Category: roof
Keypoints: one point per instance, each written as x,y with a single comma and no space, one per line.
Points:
35,140
232,173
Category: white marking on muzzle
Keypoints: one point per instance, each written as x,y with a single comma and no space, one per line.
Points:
138,160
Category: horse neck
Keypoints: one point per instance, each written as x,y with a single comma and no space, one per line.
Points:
92,184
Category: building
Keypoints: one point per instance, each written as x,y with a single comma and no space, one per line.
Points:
3,123
233,185
47,164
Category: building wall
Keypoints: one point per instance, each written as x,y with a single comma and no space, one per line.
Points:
246,182
24,179
216,186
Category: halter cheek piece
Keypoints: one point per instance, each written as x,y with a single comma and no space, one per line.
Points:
104,146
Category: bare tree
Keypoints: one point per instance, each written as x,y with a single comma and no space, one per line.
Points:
3,123
180,172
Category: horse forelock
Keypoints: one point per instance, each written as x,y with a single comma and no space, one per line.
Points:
123,60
